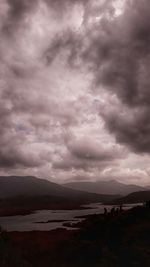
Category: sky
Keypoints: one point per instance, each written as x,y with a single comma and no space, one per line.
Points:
75,89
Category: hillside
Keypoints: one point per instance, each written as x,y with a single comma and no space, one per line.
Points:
105,187
29,186
11,186
135,197
112,240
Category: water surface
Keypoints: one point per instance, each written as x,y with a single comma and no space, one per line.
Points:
35,220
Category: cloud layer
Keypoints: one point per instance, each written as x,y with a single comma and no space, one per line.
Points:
74,97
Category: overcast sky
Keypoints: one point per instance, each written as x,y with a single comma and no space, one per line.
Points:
75,89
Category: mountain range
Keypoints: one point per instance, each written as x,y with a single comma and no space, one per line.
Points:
29,186
24,194
105,187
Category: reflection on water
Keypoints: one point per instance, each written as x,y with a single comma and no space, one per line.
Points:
35,220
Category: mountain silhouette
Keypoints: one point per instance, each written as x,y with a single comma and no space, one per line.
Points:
105,187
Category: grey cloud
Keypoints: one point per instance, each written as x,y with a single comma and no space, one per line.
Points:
12,158
134,133
119,56
66,41
70,162
16,12
43,95
92,150
87,154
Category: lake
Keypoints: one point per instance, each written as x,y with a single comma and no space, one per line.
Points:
45,220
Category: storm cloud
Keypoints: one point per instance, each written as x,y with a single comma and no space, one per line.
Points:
74,89
121,64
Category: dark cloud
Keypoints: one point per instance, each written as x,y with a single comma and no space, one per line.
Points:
11,158
119,56
19,11
17,8
66,41
16,13
134,133
88,149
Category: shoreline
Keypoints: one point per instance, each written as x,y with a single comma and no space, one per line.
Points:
6,212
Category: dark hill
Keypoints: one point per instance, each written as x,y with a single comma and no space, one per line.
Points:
11,186
135,197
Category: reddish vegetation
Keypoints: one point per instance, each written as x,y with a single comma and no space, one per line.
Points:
41,248
47,240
